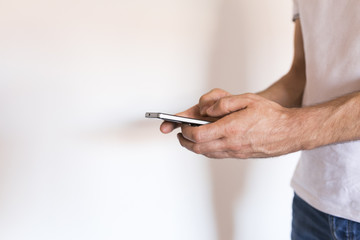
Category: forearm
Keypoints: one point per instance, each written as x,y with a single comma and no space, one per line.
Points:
288,91
331,122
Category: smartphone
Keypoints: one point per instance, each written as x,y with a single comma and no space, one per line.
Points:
176,119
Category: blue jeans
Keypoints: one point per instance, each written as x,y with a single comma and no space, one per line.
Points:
311,224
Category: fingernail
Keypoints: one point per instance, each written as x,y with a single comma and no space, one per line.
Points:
165,128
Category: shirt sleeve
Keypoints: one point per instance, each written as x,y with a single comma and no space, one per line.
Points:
296,13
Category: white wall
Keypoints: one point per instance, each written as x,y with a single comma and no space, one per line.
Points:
77,158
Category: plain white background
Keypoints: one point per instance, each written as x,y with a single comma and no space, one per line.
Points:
78,160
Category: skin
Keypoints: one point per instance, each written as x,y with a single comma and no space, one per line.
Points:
270,123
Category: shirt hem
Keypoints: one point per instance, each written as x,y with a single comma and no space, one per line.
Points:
315,203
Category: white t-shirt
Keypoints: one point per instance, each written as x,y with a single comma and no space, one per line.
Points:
328,178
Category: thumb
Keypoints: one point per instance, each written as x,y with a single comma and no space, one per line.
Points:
228,105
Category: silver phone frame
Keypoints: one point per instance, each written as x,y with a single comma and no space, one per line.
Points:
176,119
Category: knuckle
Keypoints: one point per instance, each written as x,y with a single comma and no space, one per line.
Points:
203,98
213,92
251,96
223,104
216,90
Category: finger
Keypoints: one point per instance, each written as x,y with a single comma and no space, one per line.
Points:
227,154
210,98
168,127
236,155
233,154
229,104
204,149
218,155
193,112
201,148
218,149
204,133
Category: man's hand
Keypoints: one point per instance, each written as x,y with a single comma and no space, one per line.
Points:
198,111
250,127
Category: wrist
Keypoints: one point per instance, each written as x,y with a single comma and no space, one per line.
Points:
315,126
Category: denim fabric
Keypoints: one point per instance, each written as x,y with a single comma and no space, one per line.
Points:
311,224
